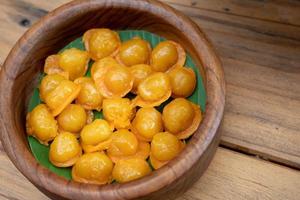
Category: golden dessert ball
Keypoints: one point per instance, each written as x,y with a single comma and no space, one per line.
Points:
101,66
183,81
64,150
118,80
154,86
178,115
74,61
49,83
134,51
101,42
41,124
96,132
130,169
124,143
51,66
89,97
93,168
59,98
154,90
142,152
111,79
165,146
118,112
147,122
164,56
72,119
139,72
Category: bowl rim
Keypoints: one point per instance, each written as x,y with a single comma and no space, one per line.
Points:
207,131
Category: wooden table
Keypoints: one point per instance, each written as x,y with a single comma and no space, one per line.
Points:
259,45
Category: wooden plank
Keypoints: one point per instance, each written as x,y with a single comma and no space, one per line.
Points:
237,176
13,185
283,11
261,61
274,34
230,176
255,41
284,35
15,17
262,118
258,37
262,73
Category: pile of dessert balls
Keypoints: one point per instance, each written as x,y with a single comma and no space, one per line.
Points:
132,131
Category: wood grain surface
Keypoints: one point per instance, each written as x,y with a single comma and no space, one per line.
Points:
259,44
230,176
262,71
286,11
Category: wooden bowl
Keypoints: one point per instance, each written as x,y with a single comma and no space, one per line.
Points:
61,26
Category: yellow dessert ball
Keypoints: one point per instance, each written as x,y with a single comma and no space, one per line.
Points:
147,122
134,51
178,115
164,56
111,79
118,111
124,143
96,132
101,66
64,150
154,87
118,80
94,168
72,119
89,97
59,98
51,66
139,72
101,42
74,61
49,83
130,169
183,81
41,124
165,146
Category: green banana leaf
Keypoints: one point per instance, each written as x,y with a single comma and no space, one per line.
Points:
41,152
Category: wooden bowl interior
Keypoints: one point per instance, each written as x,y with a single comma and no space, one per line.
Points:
62,26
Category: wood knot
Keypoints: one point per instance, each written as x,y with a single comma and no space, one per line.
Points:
193,3
25,22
